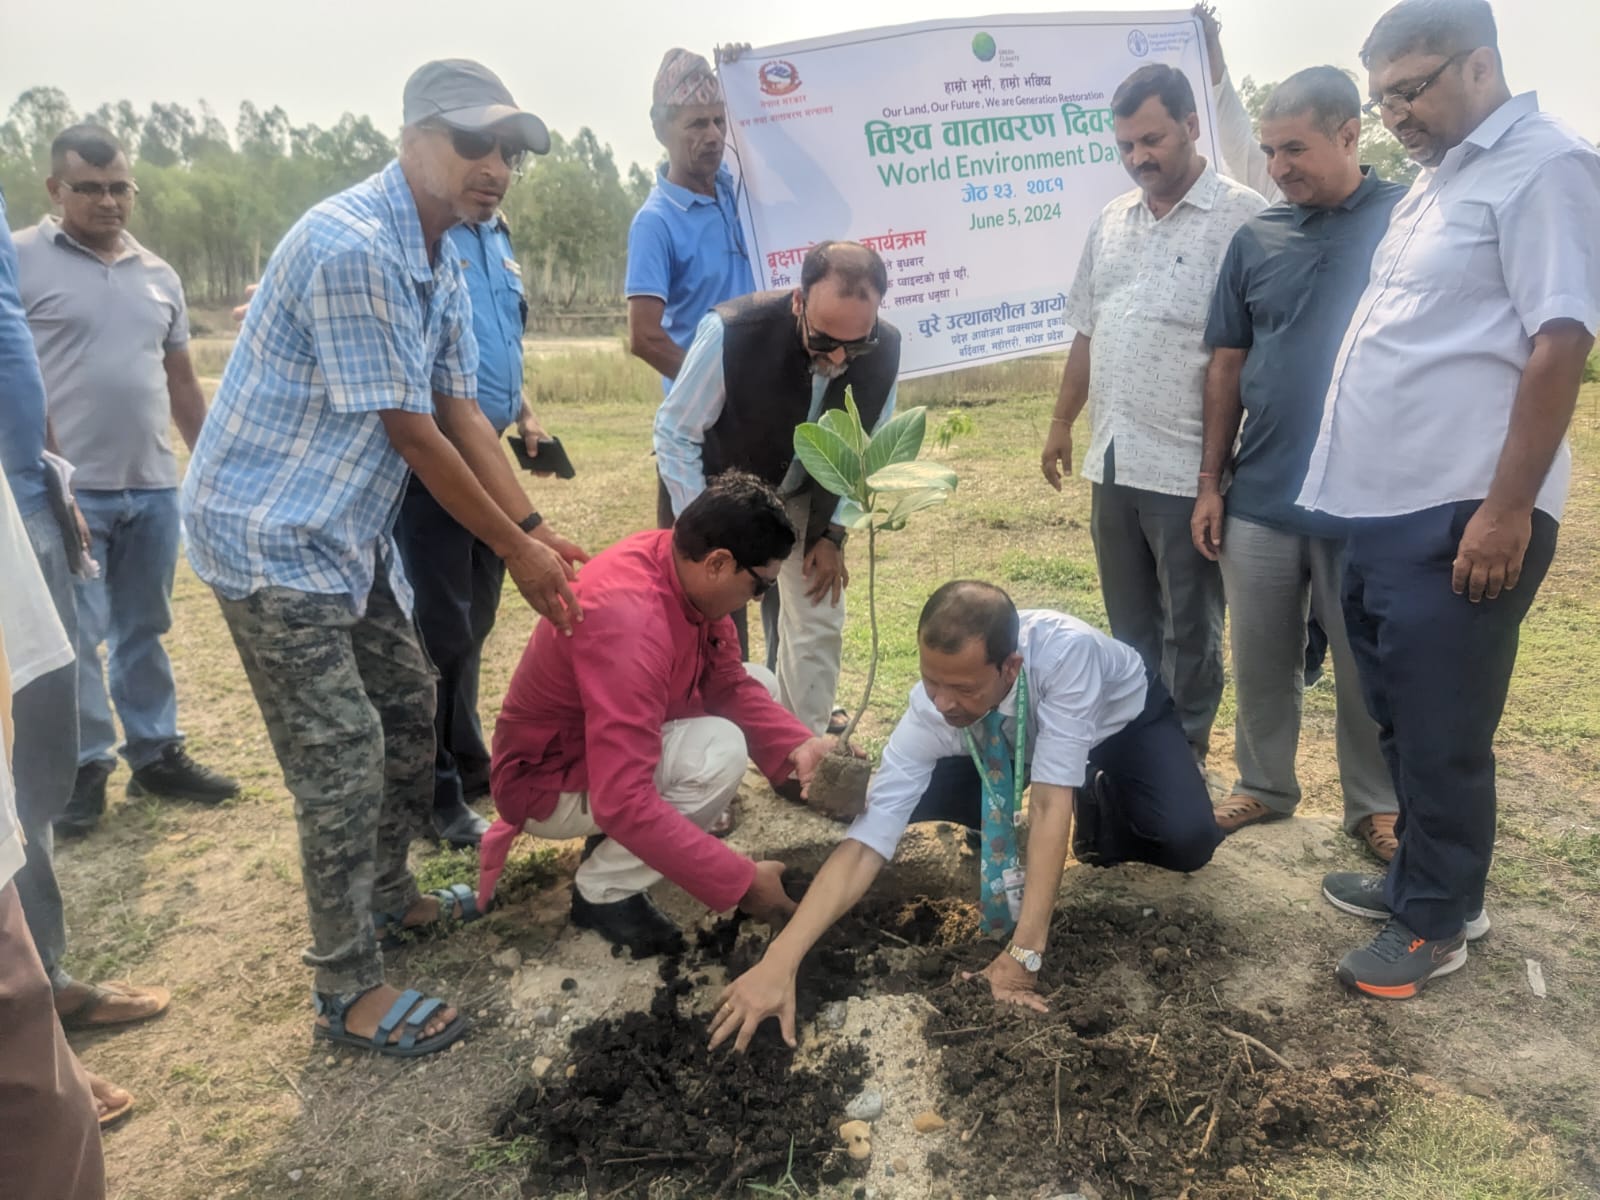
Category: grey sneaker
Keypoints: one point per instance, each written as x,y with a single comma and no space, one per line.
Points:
1361,895
1397,963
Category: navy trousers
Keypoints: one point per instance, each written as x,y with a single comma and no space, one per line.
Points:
1435,669
1155,807
457,581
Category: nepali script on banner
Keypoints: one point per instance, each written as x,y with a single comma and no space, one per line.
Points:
973,155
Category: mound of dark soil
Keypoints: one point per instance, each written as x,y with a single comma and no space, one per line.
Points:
645,1100
1139,1080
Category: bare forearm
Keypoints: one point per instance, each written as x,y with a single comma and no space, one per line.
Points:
841,882
661,352
188,411
451,481
1049,834
1074,393
475,440
1223,410
1540,415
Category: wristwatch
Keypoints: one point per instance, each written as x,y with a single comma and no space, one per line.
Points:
1030,959
530,522
837,536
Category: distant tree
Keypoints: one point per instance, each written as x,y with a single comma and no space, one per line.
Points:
169,133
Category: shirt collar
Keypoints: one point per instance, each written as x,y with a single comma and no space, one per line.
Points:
407,224
682,197
669,570
1498,123
1202,194
1364,190
127,247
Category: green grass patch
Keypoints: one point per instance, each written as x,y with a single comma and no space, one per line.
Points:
1439,1148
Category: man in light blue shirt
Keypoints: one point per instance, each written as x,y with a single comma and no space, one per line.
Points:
457,576
356,361
686,250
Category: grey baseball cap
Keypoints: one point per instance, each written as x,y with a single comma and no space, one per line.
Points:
467,95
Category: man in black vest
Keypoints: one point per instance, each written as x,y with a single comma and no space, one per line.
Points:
758,367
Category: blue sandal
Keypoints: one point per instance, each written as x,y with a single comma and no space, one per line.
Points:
416,1015
393,934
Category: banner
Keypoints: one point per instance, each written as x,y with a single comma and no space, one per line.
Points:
973,155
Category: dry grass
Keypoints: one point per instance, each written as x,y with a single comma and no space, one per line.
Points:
233,1096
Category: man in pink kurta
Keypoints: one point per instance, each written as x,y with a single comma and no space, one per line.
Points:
639,726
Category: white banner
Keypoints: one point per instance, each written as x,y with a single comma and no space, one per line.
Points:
972,154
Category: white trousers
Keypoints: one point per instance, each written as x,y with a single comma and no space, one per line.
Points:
702,764
810,636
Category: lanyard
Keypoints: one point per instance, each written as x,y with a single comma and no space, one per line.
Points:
997,803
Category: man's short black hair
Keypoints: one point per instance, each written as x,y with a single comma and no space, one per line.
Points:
96,146
965,609
737,513
1431,27
1327,93
858,270
1157,79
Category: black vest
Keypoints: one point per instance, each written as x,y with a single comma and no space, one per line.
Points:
767,376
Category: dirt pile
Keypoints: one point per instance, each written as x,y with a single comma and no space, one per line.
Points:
1140,1080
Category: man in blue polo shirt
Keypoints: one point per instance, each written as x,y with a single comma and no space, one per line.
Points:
455,575
1288,285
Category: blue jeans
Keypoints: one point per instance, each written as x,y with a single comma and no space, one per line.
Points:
134,537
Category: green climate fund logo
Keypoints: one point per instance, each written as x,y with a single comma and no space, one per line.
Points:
983,46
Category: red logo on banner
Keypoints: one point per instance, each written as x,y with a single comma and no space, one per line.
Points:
778,78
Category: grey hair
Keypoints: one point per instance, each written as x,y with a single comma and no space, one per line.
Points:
1327,93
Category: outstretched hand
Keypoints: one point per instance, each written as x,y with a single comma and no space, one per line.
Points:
1011,983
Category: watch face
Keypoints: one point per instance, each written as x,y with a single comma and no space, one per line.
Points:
1032,961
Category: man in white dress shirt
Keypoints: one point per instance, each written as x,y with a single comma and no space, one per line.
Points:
1101,743
1139,305
1443,442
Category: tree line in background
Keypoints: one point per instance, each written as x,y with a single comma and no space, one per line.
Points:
214,203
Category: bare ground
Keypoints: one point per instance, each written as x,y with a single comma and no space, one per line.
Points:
235,1100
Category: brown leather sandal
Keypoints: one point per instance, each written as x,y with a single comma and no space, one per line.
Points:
1237,811
1377,831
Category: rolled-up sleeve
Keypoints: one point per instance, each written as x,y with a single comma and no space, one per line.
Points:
370,345
691,407
1548,247
902,777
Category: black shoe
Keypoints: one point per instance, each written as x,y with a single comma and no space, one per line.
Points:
1086,807
176,776
635,924
457,825
88,803
590,845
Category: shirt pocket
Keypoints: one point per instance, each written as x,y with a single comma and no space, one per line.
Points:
1183,285
1451,249
513,299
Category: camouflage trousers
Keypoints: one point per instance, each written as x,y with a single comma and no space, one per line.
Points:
348,702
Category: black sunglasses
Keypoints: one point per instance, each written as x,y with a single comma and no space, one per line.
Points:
1399,102
121,189
473,144
822,343
763,584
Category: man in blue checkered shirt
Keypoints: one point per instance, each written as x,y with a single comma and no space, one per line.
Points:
355,363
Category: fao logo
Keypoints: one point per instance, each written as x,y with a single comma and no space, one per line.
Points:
1138,44
778,78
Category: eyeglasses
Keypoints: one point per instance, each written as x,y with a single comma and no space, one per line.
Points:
822,343
121,189
763,584
473,144
1400,102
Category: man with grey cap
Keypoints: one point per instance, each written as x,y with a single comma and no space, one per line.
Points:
356,362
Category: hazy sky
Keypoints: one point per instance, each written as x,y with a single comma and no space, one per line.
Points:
590,62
